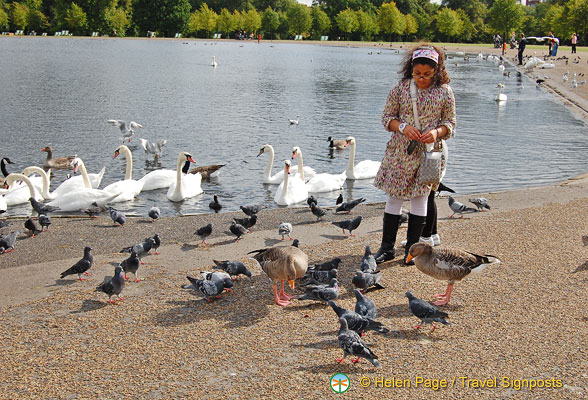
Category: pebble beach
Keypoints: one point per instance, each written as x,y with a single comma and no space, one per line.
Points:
517,329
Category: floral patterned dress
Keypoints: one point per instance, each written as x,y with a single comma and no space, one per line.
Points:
399,171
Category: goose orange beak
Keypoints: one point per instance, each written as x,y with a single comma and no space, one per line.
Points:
291,284
409,257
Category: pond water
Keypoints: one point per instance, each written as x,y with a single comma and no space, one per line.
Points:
61,92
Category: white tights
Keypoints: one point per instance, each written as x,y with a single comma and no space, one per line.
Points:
418,205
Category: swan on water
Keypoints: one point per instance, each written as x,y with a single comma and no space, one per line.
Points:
185,185
279,177
127,188
292,190
365,169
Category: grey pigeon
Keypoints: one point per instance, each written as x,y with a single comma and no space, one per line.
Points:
458,208
237,230
285,228
215,205
7,242
356,322
44,221
349,224
219,277
313,277
322,293
365,280
364,306
131,264
141,248
349,205
328,265
251,210
352,345
368,261
205,288
233,268
318,212
480,203
310,200
247,222
117,216
154,213
114,285
426,312
156,244
204,232
339,199
41,208
93,211
32,227
82,266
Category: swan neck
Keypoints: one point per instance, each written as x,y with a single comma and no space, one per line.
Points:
129,168
179,175
27,181
300,164
270,162
351,161
44,177
85,176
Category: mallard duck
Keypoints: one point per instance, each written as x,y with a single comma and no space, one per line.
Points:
451,265
57,162
207,171
283,263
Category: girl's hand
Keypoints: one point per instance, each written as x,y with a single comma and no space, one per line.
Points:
429,136
412,133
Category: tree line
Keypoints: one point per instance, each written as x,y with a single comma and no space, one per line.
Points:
466,21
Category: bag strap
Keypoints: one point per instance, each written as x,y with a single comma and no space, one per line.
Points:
413,98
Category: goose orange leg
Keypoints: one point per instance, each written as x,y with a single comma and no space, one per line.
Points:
283,294
277,299
445,300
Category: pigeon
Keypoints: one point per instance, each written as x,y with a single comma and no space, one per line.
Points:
93,211
117,216
318,212
32,227
215,205
356,322
247,222
251,210
368,261
349,205
154,213
313,277
458,208
352,345
296,243
237,230
114,285
322,293
443,188
480,203
403,217
233,268
7,242
82,266
364,306
311,199
426,312
41,208
339,199
349,224
44,221
204,232
285,228
365,280
131,264
328,265
206,288
157,243
141,248
218,276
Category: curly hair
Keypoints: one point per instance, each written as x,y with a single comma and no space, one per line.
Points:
441,77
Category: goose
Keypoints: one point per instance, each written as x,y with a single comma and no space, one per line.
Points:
365,169
321,182
338,144
207,171
57,162
185,185
294,121
22,195
500,96
127,132
292,190
77,182
213,63
128,187
279,177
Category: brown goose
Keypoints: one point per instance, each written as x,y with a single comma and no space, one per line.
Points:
207,170
338,144
57,162
282,263
451,265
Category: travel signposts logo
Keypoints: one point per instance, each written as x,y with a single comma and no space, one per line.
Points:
340,383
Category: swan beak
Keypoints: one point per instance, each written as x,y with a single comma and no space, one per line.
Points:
288,169
189,158
116,153
291,284
347,142
260,152
76,168
409,257
293,155
5,185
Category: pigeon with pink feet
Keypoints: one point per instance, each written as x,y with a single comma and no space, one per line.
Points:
114,285
82,266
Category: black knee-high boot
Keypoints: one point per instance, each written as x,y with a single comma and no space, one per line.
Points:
414,232
389,231
431,220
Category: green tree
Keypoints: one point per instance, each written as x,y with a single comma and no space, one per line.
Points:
224,22
425,25
118,20
76,19
449,23
390,19
367,24
506,16
164,16
321,22
579,17
203,20
19,15
4,24
347,22
36,20
299,19
556,21
411,25
238,21
284,27
252,21
468,30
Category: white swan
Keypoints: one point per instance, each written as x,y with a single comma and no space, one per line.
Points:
186,185
44,178
20,196
500,96
77,182
290,191
213,63
321,182
128,187
279,177
365,169
3,205
501,68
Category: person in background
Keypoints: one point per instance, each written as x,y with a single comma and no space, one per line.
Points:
550,35
554,46
424,67
522,45
574,42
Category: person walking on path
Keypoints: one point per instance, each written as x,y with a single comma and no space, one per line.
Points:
522,45
574,42
424,67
